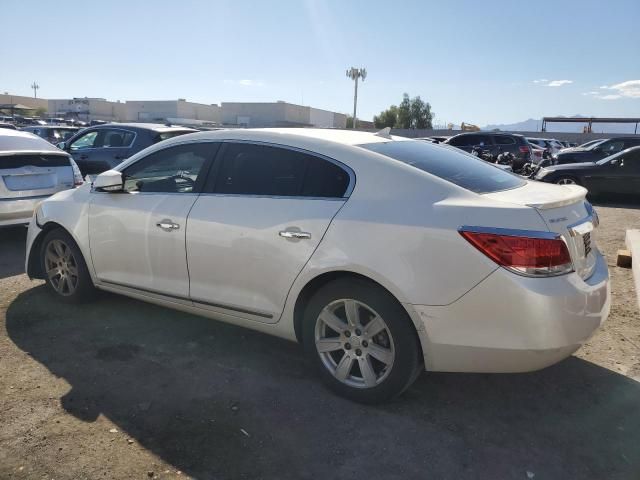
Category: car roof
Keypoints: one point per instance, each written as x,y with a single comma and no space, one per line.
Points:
489,133
344,137
12,141
156,127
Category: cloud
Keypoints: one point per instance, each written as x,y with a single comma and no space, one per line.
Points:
628,89
552,83
245,82
610,97
558,83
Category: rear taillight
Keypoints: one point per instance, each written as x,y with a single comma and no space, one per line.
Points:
525,149
77,175
523,252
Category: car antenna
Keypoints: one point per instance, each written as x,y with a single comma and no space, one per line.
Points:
384,133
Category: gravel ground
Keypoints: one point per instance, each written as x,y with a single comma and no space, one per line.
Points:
123,389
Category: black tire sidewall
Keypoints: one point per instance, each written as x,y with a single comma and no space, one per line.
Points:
85,290
408,355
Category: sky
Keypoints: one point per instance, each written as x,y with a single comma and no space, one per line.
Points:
481,62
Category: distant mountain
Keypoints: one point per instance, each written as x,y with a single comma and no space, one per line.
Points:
533,125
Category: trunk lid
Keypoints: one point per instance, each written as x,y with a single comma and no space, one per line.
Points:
565,211
24,175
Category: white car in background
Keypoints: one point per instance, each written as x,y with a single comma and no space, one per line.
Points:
383,255
554,146
31,169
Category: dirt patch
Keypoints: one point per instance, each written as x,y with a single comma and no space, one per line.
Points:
123,389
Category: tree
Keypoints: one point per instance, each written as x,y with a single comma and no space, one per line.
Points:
387,118
40,112
349,121
411,113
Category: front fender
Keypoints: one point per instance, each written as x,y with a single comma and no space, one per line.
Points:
67,210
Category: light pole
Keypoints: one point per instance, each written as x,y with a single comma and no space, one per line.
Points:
35,88
354,74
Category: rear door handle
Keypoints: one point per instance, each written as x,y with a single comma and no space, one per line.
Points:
294,234
167,225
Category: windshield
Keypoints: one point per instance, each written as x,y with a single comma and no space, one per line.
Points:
450,164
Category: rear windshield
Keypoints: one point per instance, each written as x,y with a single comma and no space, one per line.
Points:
168,135
449,164
18,161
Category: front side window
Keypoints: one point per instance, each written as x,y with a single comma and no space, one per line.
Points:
87,140
612,146
250,169
449,164
172,170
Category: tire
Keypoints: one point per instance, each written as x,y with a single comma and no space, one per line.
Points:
388,350
64,268
566,180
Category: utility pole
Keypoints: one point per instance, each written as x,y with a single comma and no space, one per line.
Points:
35,88
354,74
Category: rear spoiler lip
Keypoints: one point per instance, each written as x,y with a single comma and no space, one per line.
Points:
579,194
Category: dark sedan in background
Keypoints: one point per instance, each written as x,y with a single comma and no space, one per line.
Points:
52,133
618,174
102,147
596,151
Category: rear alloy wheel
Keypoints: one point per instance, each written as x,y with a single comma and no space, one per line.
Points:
64,268
362,341
566,181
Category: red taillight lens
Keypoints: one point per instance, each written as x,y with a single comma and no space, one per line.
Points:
528,255
524,149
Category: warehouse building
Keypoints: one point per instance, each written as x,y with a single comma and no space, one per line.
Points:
87,109
173,111
279,114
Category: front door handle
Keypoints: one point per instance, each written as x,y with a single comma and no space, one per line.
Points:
294,234
84,157
167,225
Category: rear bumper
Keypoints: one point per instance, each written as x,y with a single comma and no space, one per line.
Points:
511,323
18,211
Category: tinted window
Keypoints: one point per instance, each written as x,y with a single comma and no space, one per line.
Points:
18,161
612,146
454,166
265,170
471,140
172,170
116,138
504,140
167,135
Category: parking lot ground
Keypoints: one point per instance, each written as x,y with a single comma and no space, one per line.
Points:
124,389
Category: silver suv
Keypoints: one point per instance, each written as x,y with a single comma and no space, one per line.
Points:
31,169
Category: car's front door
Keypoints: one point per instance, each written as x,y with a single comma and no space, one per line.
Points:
264,211
627,177
137,237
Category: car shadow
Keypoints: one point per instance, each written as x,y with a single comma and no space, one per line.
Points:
617,201
218,401
12,251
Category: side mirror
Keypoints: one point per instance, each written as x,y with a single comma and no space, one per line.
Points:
61,145
109,181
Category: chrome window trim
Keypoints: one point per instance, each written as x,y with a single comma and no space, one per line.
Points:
511,232
338,163
278,197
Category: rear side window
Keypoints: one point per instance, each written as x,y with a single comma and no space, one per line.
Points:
18,161
117,138
167,135
504,140
250,169
471,141
449,164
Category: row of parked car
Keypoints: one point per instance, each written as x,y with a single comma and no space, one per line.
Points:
609,165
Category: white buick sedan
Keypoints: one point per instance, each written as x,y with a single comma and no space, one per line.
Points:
384,256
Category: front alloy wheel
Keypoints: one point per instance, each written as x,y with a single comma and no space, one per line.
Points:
61,267
566,181
354,343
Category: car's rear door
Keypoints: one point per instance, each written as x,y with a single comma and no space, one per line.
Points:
264,211
137,237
